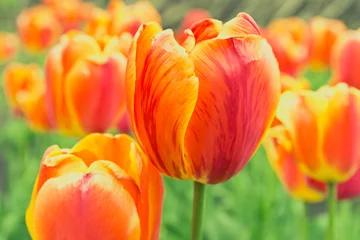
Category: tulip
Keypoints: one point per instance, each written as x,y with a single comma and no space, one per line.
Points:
288,40
279,150
324,127
25,92
38,28
201,110
102,188
323,33
9,45
85,84
294,84
346,60
124,125
191,17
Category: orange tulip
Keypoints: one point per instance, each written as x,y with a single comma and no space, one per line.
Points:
9,44
85,84
102,188
38,28
288,40
201,110
294,84
25,91
279,150
324,127
346,59
323,33
191,17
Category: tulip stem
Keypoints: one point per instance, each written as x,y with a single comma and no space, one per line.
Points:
332,210
198,210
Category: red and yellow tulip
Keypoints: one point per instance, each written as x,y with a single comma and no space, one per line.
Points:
85,84
191,17
346,59
279,150
38,28
102,188
323,33
201,109
9,44
288,39
25,92
324,127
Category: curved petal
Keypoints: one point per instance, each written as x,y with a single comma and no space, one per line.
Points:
350,188
120,150
95,93
206,29
303,114
136,59
242,24
239,88
342,132
167,85
280,154
85,206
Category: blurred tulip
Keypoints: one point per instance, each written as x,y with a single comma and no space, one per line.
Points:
288,39
85,84
9,44
24,87
324,127
322,35
191,17
279,151
200,110
346,59
38,28
102,188
294,84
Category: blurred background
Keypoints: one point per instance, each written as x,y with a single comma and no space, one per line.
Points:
253,205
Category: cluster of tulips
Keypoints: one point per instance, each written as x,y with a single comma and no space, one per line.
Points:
199,103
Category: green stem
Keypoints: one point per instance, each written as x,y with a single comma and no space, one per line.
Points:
304,222
198,210
332,210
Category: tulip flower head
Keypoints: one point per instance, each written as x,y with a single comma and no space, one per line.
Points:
323,34
25,92
324,127
38,28
279,150
346,59
9,44
288,39
201,109
102,188
85,84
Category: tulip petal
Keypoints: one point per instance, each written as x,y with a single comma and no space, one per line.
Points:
206,29
85,101
136,59
303,114
342,133
120,150
167,86
75,205
242,24
240,78
280,154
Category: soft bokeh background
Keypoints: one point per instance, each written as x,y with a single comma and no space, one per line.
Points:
252,205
